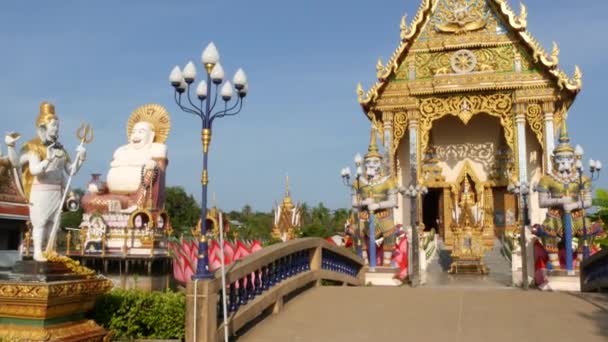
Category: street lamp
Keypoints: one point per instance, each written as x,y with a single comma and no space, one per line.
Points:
413,192
346,174
595,166
182,81
522,190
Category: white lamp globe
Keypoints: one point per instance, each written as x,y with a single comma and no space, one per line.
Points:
201,90
226,91
217,74
189,72
210,54
240,79
175,77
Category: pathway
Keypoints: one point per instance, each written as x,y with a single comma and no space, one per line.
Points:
339,314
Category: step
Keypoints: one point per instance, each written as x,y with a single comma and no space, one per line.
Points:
382,276
563,283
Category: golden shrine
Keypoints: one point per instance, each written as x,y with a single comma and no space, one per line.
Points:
287,220
469,99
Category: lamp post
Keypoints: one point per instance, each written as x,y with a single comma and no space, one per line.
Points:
595,166
182,81
346,174
413,192
522,190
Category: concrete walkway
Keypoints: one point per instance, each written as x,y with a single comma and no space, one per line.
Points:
339,314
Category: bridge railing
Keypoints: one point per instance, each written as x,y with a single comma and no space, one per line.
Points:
260,281
594,272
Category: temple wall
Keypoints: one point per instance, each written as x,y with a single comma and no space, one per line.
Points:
456,143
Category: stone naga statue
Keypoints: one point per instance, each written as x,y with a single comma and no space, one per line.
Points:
377,193
43,164
136,176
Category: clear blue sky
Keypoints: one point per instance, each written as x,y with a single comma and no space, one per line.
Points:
99,60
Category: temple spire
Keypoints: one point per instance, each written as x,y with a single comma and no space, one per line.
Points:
372,150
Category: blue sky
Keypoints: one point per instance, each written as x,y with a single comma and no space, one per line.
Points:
99,60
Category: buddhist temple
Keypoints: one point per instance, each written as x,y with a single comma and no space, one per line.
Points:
469,98
287,220
14,214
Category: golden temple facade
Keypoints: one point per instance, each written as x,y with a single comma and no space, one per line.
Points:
469,94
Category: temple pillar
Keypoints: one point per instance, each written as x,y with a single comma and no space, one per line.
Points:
387,121
520,122
413,149
549,108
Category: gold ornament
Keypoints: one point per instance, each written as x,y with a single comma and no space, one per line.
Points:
535,118
564,140
372,150
154,114
46,114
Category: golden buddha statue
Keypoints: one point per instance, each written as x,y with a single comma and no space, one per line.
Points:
467,248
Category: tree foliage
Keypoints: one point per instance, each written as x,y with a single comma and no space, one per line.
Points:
141,314
182,209
601,203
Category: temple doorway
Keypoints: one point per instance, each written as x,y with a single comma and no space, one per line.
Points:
431,210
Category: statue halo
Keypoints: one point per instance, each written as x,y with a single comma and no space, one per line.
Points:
154,114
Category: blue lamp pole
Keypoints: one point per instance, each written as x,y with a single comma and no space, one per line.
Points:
346,173
595,166
522,190
414,192
204,108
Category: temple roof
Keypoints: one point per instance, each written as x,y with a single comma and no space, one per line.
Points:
457,25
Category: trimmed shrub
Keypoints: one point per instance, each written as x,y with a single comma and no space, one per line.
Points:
140,314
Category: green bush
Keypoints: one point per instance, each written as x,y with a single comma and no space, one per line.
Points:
140,314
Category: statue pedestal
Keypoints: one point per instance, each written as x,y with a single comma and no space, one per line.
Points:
47,302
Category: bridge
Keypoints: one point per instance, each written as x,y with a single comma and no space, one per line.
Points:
310,290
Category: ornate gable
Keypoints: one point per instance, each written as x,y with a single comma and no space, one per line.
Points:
466,45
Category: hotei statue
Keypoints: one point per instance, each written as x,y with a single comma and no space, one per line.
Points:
565,192
43,164
136,176
376,192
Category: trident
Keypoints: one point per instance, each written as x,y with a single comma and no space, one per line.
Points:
85,135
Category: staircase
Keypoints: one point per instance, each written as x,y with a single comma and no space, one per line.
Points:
499,270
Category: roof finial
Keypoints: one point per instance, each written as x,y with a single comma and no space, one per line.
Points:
379,68
360,91
403,27
286,184
555,53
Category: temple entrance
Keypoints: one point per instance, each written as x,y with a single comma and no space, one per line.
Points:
431,210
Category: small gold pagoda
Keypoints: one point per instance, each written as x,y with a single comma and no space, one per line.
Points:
287,218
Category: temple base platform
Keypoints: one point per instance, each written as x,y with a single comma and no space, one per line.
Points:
382,276
46,301
561,281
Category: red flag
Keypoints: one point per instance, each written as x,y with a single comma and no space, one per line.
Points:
241,251
256,246
228,253
185,259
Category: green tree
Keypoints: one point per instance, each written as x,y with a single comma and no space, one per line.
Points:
601,203
182,209
246,210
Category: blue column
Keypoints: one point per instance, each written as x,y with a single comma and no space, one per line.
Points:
372,242
568,242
